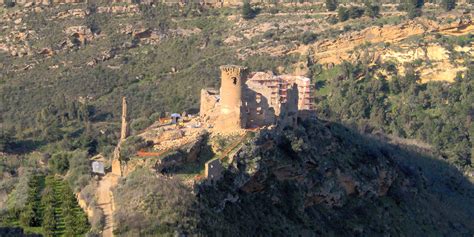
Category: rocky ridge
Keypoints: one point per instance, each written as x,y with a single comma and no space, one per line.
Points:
324,179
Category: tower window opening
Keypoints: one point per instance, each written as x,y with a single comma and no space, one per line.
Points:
234,80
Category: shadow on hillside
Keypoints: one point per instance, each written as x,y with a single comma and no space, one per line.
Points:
439,178
25,146
428,196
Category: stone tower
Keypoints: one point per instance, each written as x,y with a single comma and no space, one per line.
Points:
231,92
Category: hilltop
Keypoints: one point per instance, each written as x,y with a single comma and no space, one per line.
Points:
318,179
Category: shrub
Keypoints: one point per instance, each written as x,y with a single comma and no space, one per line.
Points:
274,10
413,12
9,3
448,5
372,11
268,34
247,11
140,124
342,14
331,5
355,12
413,7
308,37
131,146
59,163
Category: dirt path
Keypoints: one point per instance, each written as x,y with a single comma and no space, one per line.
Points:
105,201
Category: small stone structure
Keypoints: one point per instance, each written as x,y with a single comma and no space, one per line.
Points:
213,170
253,100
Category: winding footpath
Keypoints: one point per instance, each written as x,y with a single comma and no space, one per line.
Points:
105,202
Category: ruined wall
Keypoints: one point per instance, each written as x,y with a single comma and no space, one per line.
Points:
210,107
261,100
305,98
232,116
213,170
256,100
289,106
277,99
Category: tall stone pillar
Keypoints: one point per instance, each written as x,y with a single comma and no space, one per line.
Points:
231,115
124,132
116,164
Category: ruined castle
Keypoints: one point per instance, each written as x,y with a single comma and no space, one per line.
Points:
252,100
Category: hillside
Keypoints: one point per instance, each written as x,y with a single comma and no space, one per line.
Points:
390,152
319,179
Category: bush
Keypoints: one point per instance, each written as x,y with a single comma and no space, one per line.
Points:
331,5
332,20
9,3
79,170
131,146
140,124
268,34
274,10
372,11
342,14
355,12
308,37
448,5
59,163
413,8
247,11
413,12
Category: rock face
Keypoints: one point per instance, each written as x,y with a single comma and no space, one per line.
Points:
185,155
323,179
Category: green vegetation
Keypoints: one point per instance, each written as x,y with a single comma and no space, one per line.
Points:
434,112
372,10
412,7
448,5
331,5
9,3
308,37
247,11
353,12
342,14
131,145
150,205
67,111
51,209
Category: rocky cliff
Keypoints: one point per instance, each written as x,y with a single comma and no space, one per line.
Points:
324,179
